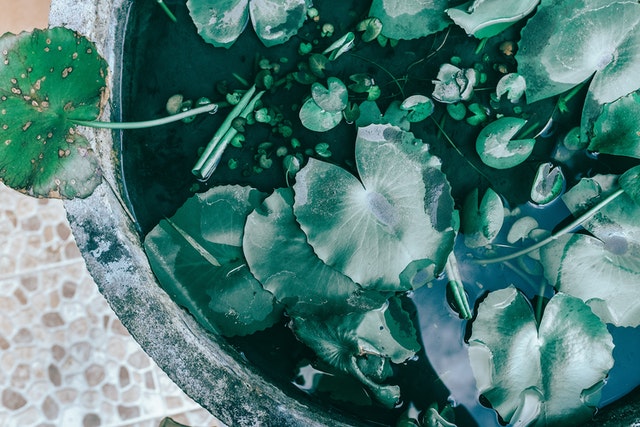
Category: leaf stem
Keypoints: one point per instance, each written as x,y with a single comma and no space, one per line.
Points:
575,223
209,108
395,80
210,158
167,11
455,284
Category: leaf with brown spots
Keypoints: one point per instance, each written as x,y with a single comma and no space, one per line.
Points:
48,78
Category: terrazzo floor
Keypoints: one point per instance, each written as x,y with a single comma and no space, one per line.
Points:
65,359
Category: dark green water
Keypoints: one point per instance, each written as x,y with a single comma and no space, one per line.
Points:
163,59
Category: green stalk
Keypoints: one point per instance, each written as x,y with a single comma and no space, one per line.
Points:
575,223
209,108
208,161
167,11
457,289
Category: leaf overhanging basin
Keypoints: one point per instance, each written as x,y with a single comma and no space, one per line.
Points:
43,153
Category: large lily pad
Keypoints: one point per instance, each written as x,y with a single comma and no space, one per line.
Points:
603,271
617,130
486,18
279,256
222,22
410,19
47,78
197,258
373,227
551,373
568,41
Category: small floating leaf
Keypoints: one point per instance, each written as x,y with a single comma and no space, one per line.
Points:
419,106
47,79
372,28
513,84
457,111
314,118
497,149
340,46
552,372
547,184
454,84
521,229
487,18
276,21
481,221
332,98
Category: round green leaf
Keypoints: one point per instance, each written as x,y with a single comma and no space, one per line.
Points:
333,98
371,228
567,41
47,78
314,118
513,84
497,149
552,372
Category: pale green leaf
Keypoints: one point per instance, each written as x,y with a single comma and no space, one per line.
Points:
276,21
219,22
373,227
314,118
410,19
566,42
552,372
617,129
487,18
496,146
481,220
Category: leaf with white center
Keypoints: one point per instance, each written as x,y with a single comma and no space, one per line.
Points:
496,147
314,118
279,256
197,258
410,19
48,78
551,373
630,182
604,275
513,84
372,228
547,184
333,98
567,42
487,18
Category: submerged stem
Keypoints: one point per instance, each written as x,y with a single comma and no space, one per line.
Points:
395,80
210,158
455,284
575,223
209,108
167,11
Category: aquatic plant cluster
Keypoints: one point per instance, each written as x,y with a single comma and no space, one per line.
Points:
335,252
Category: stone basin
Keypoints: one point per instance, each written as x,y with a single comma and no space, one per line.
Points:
205,366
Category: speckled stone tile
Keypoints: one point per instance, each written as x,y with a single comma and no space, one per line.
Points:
65,358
